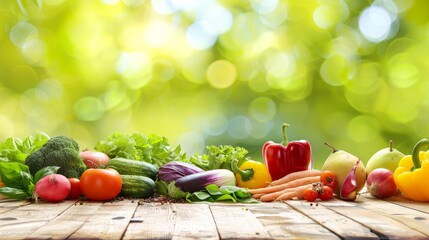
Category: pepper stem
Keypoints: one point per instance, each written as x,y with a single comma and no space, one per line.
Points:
245,174
284,135
424,143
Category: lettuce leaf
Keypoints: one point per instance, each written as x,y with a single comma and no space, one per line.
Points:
16,150
220,157
150,148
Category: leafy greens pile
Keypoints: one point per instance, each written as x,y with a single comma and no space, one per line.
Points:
16,150
220,157
150,148
15,175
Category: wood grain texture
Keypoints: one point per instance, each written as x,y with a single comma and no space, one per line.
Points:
21,222
237,222
172,221
283,222
366,218
109,221
382,225
402,201
338,224
414,219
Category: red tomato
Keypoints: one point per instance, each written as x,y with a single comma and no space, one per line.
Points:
326,194
75,191
100,184
328,179
310,194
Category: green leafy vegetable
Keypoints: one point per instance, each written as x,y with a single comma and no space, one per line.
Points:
16,150
213,193
19,183
150,148
220,157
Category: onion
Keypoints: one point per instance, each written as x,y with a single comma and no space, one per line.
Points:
381,184
94,159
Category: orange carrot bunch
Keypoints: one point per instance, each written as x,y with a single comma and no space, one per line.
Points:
288,187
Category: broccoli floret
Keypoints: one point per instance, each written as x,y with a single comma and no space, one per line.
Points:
58,151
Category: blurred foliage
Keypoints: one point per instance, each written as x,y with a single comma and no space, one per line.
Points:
351,73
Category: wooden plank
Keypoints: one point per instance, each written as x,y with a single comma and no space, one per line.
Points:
22,221
283,222
10,204
420,206
382,225
194,221
339,224
172,221
413,218
237,222
108,222
152,221
68,222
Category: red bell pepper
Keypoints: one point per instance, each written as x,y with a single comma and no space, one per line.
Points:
286,157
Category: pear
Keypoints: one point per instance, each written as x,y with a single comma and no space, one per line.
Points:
385,158
342,163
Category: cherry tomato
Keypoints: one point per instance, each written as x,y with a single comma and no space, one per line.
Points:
100,184
75,191
310,194
326,193
328,179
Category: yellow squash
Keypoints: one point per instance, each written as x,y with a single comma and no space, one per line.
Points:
412,173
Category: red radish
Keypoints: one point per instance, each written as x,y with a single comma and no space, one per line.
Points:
381,184
53,188
75,191
94,159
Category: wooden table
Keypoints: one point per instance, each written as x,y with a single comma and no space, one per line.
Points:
366,218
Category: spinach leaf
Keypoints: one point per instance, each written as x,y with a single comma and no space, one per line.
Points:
213,193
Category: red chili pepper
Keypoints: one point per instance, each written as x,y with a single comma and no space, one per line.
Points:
286,157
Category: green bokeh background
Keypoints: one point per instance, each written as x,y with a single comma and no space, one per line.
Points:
89,68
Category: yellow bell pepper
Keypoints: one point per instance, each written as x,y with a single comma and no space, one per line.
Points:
251,174
412,173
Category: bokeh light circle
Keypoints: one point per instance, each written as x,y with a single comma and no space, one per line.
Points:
375,24
89,109
221,74
262,109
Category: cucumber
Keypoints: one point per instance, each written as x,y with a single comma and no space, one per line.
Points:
133,167
137,186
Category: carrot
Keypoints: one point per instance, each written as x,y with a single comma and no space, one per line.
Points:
296,193
291,184
257,196
296,175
